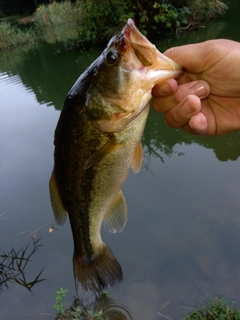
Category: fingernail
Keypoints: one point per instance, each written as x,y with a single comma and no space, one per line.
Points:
200,89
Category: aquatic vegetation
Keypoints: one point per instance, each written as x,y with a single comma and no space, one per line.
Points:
215,309
75,311
11,35
13,266
60,295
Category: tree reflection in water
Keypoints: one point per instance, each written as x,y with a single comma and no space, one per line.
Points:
162,141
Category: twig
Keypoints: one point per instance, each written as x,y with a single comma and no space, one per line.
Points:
34,232
162,315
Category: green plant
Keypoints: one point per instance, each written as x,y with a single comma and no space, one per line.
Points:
100,22
164,17
152,17
205,9
76,311
57,22
95,24
56,13
59,298
215,309
11,35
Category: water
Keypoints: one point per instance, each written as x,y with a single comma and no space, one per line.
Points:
182,238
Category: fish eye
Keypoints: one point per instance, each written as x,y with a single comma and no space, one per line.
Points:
112,56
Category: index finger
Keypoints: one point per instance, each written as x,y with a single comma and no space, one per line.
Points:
166,88
198,88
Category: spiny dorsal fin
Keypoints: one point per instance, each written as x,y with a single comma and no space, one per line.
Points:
59,211
100,154
117,214
137,158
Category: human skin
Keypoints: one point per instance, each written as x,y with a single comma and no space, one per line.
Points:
205,100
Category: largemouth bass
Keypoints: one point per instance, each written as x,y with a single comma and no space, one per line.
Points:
97,141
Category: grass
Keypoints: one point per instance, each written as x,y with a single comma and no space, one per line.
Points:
56,14
205,9
58,22
61,19
215,309
13,267
12,36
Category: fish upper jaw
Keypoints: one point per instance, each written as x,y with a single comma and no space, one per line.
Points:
132,33
154,66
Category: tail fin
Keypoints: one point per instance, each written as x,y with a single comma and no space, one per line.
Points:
91,277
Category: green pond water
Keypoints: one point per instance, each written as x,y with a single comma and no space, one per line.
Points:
181,243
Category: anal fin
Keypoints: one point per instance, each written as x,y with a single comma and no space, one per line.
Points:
116,217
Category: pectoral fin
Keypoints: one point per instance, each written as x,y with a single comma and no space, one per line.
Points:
137,158
100,154
116,217
59,211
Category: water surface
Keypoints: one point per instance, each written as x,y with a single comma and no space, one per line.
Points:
182,239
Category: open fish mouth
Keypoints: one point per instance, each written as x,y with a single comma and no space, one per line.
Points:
141,66
143,48
147,52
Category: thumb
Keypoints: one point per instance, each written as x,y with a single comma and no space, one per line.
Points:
190,56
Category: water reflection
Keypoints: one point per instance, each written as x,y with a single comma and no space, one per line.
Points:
36,67
206,31
106,307
198,232
59,34
161,141
112,309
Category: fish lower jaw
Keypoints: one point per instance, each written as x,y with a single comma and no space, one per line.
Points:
159,76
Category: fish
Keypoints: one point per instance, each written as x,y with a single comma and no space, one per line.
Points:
97,141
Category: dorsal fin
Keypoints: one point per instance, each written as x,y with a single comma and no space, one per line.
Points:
137,158
59,211
117,214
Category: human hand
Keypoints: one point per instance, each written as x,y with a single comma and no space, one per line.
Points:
206,98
